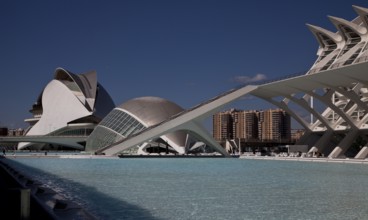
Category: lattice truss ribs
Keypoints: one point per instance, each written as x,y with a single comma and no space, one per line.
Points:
344,117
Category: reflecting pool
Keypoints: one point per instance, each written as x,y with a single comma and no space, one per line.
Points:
205,188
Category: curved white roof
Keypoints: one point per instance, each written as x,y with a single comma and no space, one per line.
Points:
134,115
151,110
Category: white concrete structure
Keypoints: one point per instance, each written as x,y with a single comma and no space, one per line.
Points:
138,114
189,120
338,80
70,104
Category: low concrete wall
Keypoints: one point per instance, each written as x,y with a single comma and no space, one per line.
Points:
25,198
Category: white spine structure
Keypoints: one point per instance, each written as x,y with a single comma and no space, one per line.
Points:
345,117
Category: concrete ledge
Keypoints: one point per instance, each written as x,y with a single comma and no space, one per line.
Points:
308,159
52,204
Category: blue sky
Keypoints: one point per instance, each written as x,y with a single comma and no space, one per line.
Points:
184,51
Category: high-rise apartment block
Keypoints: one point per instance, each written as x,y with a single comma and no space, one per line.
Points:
224,128
268,125
274,125
245,125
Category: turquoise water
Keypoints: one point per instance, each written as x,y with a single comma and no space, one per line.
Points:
206,188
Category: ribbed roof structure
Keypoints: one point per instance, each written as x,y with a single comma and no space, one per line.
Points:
133,116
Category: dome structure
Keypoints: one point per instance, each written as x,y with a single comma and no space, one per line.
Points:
134,116
70,104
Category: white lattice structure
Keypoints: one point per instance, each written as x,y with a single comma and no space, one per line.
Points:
346,112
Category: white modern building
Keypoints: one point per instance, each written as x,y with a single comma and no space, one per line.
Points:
337,81
138,114
70,105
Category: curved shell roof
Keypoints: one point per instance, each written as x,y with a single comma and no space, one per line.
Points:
151,110
148,111
69,99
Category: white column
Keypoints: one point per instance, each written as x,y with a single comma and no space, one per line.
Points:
362,153
344,145
322,142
